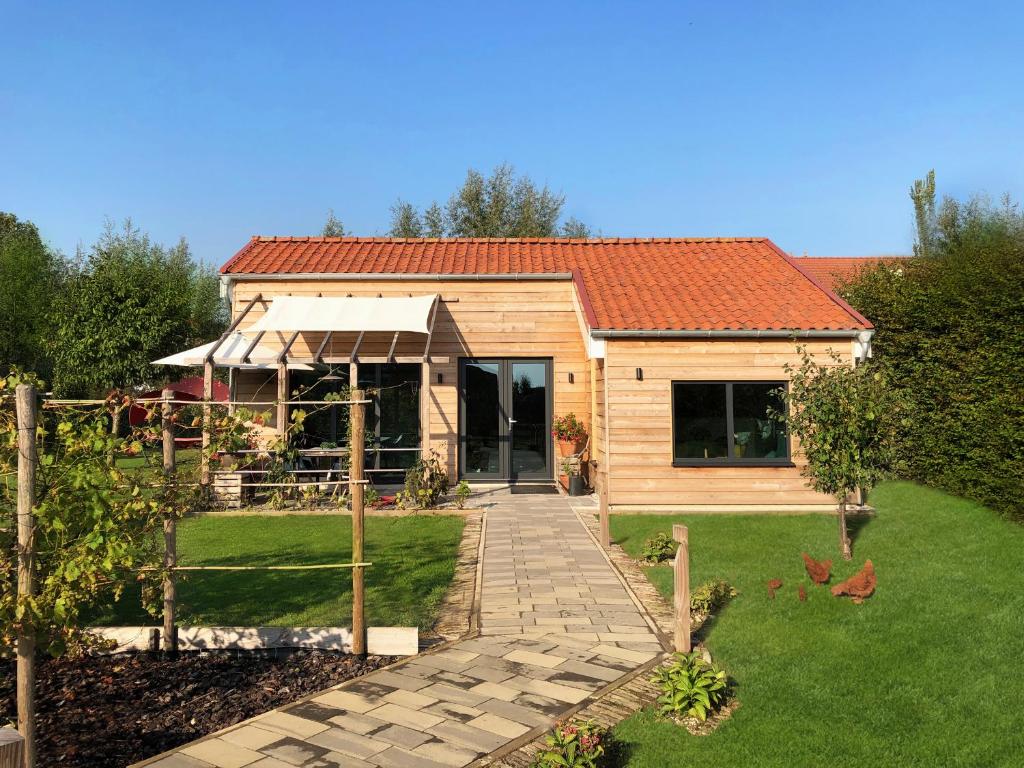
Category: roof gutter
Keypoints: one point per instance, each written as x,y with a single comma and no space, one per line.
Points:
743,333
396,277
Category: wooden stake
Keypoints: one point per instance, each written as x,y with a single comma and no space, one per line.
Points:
681,600
425,413
170,528
355,473
25,398
12,748
204,459
282,398
606,533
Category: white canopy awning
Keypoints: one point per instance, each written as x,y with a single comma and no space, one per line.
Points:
339,314
229,355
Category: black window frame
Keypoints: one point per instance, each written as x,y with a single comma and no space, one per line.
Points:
730,429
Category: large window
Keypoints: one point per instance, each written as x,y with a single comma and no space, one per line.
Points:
724,422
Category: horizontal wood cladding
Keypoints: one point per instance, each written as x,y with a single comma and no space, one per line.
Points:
640,423
475,319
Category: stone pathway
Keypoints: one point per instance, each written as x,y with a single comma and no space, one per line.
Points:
556,628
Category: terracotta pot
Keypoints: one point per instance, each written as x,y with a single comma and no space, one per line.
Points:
569,447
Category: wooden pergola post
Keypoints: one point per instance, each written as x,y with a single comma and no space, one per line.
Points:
606,534
282,399
204,456
681,597
356,488
170,634
25,403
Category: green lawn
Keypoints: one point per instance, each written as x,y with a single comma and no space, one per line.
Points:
928,672
413,562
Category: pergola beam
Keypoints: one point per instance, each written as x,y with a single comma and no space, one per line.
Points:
430,328
282,356
318,357
394,343
252,346
231,328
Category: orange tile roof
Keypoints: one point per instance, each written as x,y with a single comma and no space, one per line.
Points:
830,270
629,284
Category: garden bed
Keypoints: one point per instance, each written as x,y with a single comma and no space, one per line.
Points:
110,711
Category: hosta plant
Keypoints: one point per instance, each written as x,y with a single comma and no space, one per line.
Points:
659,548
576,744
690,687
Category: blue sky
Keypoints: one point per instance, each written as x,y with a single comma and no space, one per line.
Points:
802,121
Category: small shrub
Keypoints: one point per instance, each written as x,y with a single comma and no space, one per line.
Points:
690,687
371,496
426,482
659,548
576,744
462,492
710,596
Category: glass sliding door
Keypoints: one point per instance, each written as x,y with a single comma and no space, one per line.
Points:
482,419
529,426
505,420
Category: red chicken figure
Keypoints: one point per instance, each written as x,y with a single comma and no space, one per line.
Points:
773,585
858,586
818,571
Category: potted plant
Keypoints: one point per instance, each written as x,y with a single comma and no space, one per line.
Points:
570,434
571,469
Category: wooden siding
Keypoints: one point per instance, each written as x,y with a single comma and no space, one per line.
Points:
640,425
532,318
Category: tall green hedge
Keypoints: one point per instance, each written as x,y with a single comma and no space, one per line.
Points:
950,332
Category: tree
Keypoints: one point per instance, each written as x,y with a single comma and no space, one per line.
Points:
32,276
845,419
949,334
333,226
500,205
128,302
922,193
405,221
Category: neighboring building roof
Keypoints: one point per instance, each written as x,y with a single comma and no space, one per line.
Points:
630,284
830,270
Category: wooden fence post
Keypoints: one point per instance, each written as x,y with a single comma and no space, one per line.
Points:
356,489
170,527
681,602
12,748
606,535
25,399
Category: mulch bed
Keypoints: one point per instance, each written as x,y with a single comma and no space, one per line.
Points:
109,711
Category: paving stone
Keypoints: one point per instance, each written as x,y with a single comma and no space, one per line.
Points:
447,693
559,691
295,751
396,757
447,754
490,674
180,760
409,699
350,702
496,691
459,712
518,712
499,725
400,736
356,723
536,659
400,680
411,718
289,725
251,737
340,740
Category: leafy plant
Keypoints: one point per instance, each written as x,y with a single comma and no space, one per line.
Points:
690,687
371,496
568,428
426,482
710,596
462,493
659,548
576,744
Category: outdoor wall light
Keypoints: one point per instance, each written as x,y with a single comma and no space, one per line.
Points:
639,374
440,378
572,379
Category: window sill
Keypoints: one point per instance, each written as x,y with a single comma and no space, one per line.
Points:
733,463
